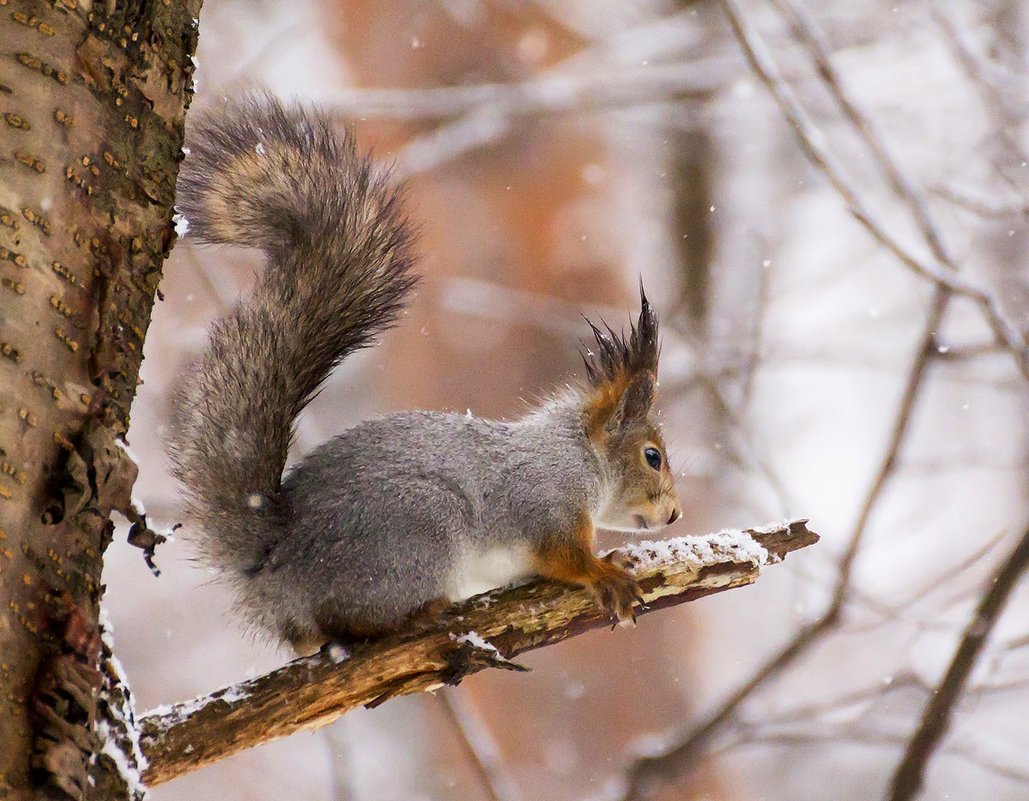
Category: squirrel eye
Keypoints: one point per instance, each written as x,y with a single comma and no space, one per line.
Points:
653,457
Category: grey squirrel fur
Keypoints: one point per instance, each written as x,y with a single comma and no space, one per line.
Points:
405,512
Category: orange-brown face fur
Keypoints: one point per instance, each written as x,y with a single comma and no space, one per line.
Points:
640,497
619,421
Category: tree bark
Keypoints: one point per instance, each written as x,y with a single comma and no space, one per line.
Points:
92,103
485,631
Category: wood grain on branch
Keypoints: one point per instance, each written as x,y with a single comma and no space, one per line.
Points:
485,631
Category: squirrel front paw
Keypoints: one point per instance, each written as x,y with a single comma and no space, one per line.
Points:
616,590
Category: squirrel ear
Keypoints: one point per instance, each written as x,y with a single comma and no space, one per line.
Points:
635,404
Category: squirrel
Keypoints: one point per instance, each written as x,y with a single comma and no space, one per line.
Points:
404,513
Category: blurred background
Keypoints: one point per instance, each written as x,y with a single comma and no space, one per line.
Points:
556,151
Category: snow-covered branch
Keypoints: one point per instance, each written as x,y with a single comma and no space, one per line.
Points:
485,631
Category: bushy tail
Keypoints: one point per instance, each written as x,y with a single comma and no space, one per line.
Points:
290,182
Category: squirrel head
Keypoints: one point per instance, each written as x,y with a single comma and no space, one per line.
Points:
620,422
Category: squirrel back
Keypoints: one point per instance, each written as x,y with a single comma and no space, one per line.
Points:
290,182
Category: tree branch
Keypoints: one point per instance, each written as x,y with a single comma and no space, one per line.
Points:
907,780
479,747
814,40
813,143
485,631
646,772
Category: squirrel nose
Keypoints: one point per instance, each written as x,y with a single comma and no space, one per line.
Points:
676,514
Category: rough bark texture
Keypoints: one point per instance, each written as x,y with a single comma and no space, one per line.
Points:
92,101
486,631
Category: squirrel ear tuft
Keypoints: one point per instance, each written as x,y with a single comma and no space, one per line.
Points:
634,407
617,355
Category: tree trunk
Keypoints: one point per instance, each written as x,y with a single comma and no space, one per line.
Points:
92,102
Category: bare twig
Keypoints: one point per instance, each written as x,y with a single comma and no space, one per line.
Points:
595,79
908,778
551,93
656,61
742,444
479,747
812,142
988,81
834,735
647,772
901,423
485,631
755,336
474,116
814,40
988,207
944,580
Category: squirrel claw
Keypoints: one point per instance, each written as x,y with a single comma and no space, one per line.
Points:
616,590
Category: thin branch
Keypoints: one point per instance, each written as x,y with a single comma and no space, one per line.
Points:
982,205
910,773
755,336
476,115
833,708
987,80
901,423
485,631
656,61
479,746
596,79
451,140
812,141
649,771
550,93
815,42
832,736
901,611
741,440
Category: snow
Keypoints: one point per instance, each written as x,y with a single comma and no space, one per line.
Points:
771,528
128,451
232,694
174,714
136,505
337,653
130,771
181,223
727,545
477,641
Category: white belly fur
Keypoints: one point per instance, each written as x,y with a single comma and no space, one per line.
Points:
483,570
